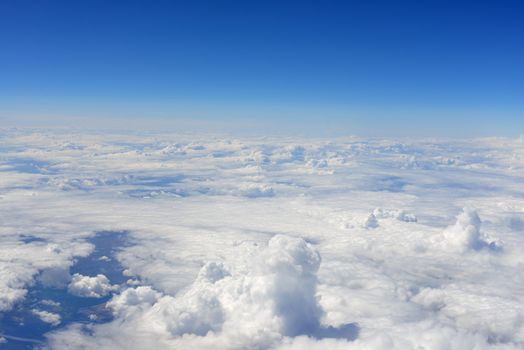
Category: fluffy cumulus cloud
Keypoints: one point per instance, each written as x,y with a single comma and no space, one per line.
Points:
465,234
47,317
90,287
132,298
21,262
271,297
266,243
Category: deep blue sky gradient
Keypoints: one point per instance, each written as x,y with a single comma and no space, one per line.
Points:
373,67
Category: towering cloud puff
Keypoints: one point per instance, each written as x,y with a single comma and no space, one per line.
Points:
290,271
465,234
275,295
246,306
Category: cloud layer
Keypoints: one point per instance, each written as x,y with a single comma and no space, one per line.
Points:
259,243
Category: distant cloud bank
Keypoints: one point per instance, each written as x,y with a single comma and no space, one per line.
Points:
264,242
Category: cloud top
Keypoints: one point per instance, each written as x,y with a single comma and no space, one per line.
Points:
90,287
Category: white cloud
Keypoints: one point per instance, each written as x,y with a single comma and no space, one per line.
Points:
48,317
256,190
50,303
21,262
207,255
90,287
274,297
401,215
133,297
465,234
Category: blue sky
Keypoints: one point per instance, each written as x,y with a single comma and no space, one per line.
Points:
369,67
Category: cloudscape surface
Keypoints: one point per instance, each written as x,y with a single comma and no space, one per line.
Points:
139,241
284,175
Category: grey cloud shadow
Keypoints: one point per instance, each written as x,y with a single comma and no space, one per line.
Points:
349,331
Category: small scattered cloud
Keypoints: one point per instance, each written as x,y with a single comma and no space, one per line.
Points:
47,317
90,287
